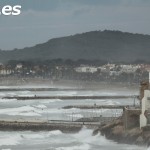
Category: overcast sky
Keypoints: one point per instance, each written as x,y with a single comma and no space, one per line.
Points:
42,20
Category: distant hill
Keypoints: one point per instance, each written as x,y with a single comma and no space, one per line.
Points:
103,45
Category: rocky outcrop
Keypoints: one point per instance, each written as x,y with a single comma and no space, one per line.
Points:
116,131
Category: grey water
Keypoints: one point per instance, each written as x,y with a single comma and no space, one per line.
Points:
52,109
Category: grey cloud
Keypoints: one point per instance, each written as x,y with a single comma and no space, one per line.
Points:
45,19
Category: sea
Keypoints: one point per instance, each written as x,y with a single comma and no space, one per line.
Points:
46,110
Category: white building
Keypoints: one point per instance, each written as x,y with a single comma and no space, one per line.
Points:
110,66
86,69
5,71
107,67
145,114
114,73
19,66
145,108
128,68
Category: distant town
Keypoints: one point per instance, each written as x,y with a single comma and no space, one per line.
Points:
70,70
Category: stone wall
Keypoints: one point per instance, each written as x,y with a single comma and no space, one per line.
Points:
131,118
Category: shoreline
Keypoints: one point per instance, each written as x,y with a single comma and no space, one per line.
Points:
115,131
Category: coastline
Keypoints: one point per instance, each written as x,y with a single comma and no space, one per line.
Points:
116,131
113,131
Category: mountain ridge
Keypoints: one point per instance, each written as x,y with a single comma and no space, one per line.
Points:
102,45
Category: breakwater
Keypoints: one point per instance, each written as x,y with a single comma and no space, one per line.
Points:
39,89
64,126
68,97
99,106
38,126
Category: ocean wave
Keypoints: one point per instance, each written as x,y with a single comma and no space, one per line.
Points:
60,111
40,106
25,92
55,132
74,115
110,102
2,94
6,140
11,94
7,100
25,95
78,147
31,135
50,101
21,111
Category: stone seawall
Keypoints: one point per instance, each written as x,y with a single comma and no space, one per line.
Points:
38,126
67,97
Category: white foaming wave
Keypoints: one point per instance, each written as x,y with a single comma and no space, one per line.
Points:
31,136
110,102
6,149
40,106
10,139
11,94
25,92
40,135
52,111
4,87
23,111
97,111
26,95
74,109
35,110
2,94
75,115
50,101
27,114
79,147
7,100
55,132
95,100
59,111
85,136
67,93
108,93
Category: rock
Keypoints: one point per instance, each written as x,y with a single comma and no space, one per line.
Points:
148,142
95,132
118,130
111,125
139,140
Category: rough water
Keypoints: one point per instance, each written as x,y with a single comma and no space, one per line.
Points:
56,140
52,110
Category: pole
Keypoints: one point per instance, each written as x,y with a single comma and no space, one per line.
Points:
72,116
149,78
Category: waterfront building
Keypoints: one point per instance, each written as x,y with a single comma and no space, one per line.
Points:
145,105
